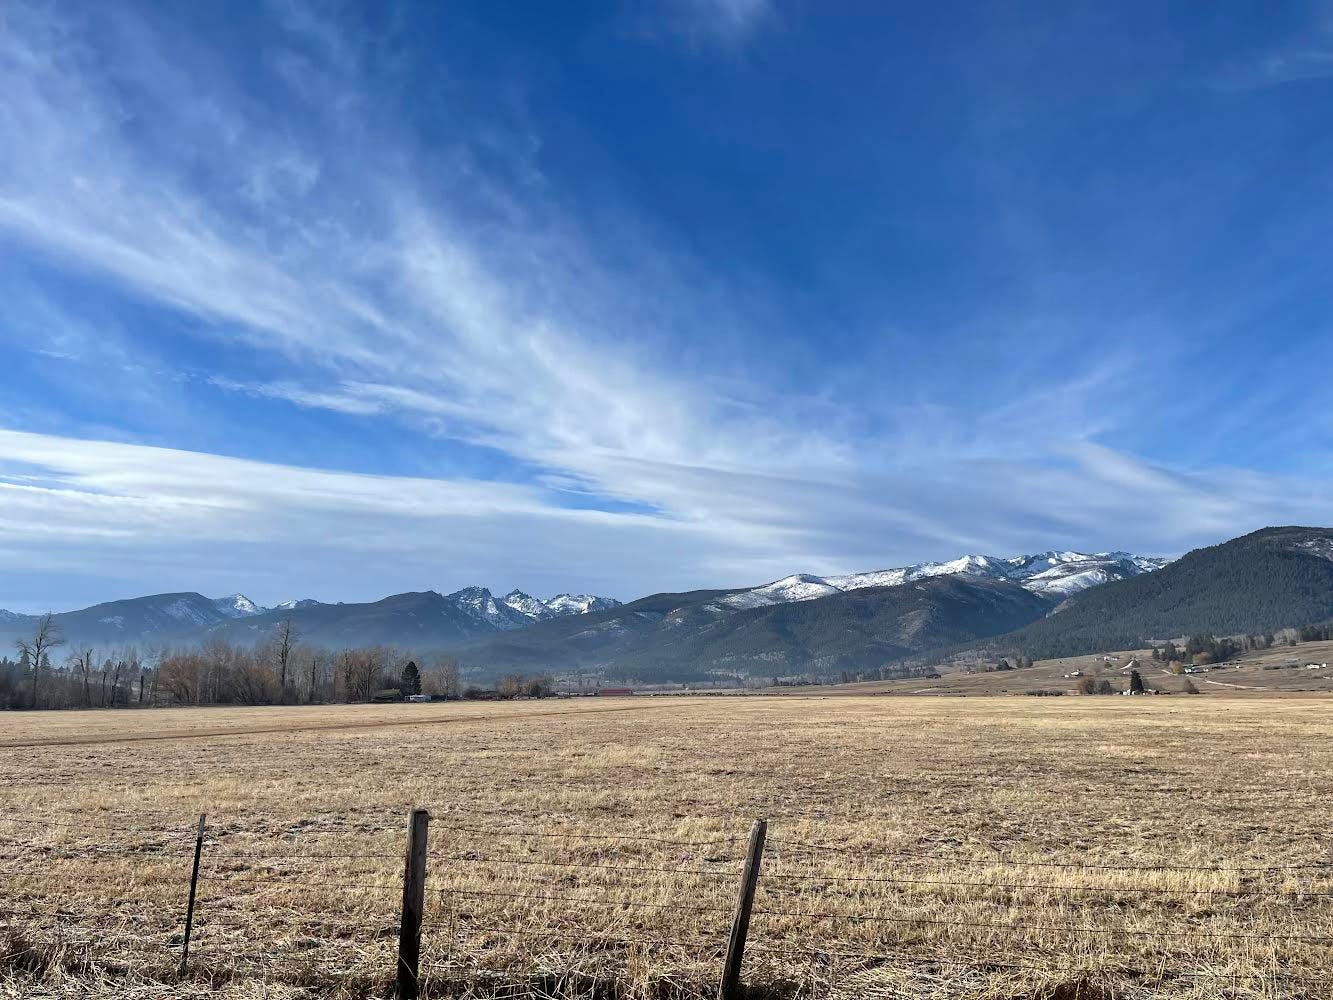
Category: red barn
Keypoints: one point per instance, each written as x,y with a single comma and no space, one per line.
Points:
614,692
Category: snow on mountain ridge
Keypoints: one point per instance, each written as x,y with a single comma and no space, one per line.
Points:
1054,573
183,610
238,606
580,604
517,609
527,605
799,587
479,603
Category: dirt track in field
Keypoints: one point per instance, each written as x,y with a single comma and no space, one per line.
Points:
213,732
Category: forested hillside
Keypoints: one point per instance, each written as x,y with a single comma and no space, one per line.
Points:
682,635
1270,579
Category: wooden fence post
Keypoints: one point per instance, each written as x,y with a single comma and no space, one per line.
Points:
414,896
740,923
194,885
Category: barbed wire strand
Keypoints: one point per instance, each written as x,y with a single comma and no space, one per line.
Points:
779,843
332,856
577,864
837,952
1045,928
632,904
226,877
728,842
94,826
585,937
801,876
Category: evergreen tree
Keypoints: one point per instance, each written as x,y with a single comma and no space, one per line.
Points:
411,680
1135,683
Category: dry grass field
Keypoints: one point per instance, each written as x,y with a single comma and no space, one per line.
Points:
1261,673
919,847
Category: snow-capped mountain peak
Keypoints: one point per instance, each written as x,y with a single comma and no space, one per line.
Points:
1057,574
296,605
527,605
238,606
580,604
478,602
798,587
517,609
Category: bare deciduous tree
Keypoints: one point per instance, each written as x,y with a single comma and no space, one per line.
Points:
183,676
45,637
82,661
361,670
441,677
286,639
252,682
317,659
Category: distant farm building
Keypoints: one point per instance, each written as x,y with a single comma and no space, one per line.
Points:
614,692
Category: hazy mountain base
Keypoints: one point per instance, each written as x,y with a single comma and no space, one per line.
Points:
695,634
1270,579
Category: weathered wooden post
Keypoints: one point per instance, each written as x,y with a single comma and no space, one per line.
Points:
740,922
194,886
414,896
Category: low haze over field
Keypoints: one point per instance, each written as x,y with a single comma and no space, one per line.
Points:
342,301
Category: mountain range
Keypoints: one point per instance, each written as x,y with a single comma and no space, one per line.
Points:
430,619
742,629
1055,604
1052,603
701,633
1051,574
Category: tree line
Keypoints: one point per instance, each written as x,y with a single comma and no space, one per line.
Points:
50,672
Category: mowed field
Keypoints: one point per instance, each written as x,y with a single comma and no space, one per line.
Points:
918,847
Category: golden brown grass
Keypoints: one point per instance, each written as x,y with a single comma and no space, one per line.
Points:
943,820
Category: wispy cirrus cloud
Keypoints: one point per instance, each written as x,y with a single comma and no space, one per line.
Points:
321,265
698,22
1281,66
191,520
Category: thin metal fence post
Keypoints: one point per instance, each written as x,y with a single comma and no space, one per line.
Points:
194,886
414,895
740,922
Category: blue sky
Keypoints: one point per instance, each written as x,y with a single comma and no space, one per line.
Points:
339,299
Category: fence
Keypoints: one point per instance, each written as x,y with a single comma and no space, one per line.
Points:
707,902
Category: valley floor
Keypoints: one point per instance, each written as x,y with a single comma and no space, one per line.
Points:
918,847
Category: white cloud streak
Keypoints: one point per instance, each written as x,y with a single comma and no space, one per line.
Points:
197,521
358,288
